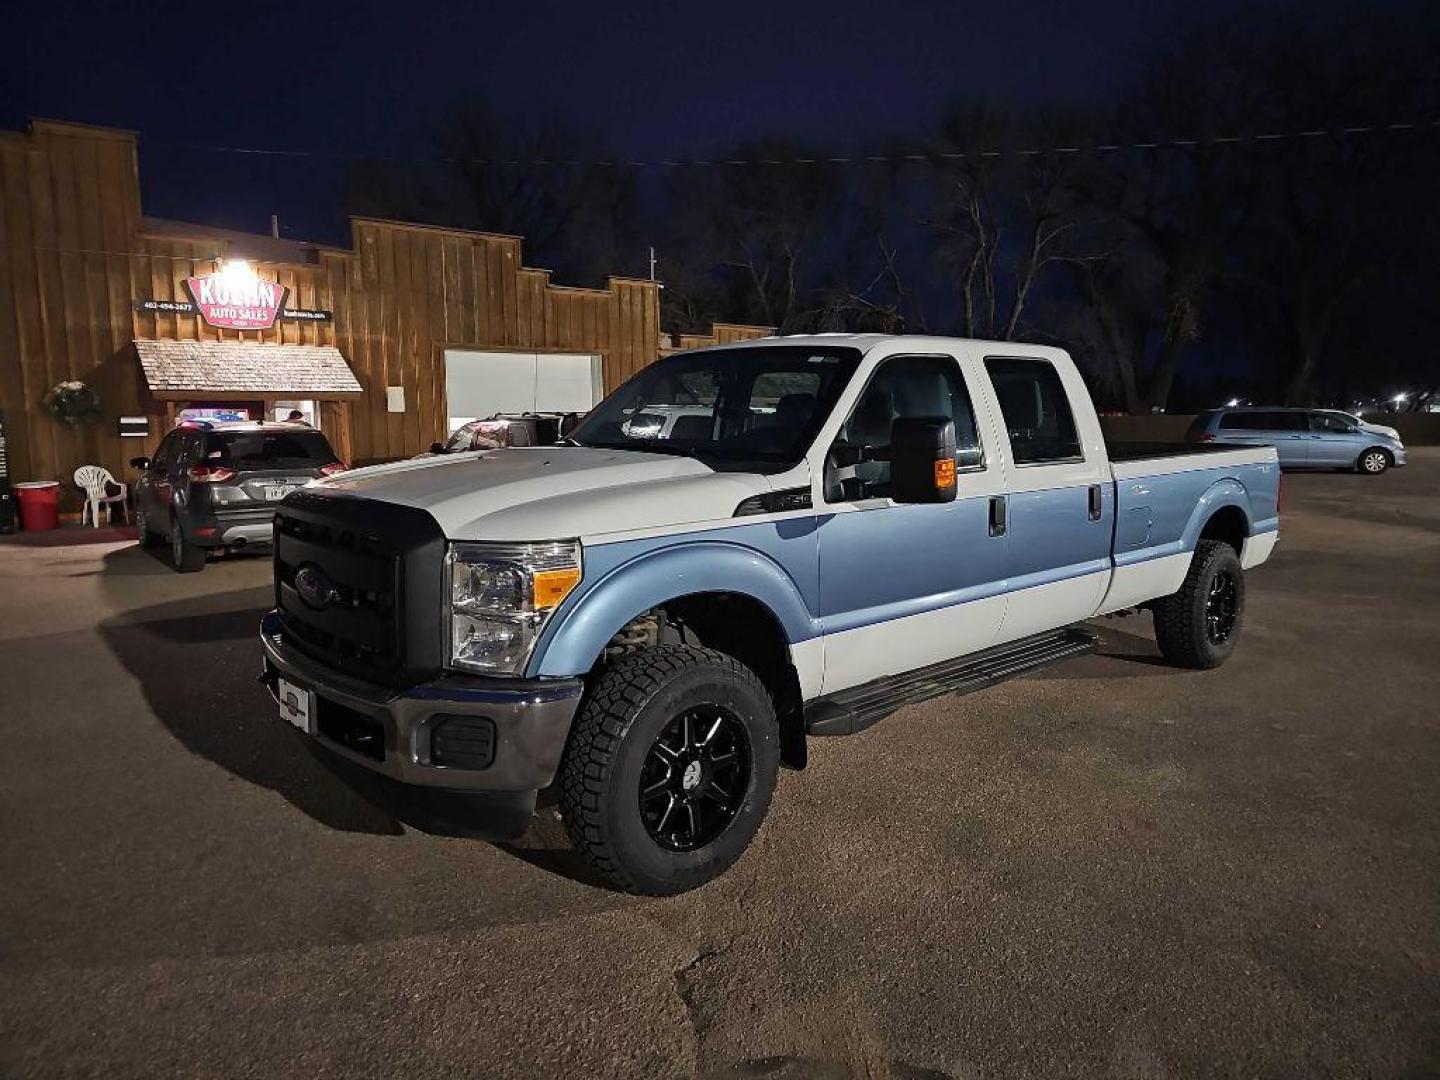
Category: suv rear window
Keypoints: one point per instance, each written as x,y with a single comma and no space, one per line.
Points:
242,450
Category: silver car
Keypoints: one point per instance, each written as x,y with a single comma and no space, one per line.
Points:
1305,438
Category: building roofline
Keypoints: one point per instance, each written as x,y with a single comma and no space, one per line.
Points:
39,124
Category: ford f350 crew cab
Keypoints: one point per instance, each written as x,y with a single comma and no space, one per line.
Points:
654,618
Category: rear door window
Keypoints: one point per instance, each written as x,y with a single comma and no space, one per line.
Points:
248,451
1245,421
1036,410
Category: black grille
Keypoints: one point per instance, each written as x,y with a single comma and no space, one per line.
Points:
380,618
462,742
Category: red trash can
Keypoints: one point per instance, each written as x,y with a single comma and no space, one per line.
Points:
39,504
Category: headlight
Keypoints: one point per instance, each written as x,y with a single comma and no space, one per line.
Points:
500,598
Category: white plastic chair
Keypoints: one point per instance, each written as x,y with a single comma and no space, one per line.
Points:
96,481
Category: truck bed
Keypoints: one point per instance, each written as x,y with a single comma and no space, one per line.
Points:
1139,451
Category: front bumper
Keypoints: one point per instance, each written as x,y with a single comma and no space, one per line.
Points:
390,731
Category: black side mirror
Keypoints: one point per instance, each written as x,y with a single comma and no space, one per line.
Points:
437,448
141,463
922,459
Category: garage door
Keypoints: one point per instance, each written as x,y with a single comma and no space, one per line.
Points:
480,384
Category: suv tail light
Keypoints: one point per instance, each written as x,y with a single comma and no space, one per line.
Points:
211,474
1207,436
333,468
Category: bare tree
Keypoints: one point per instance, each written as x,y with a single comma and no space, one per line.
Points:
543,181
1005,211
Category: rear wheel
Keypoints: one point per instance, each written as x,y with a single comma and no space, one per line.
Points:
1374,461
143,533
1197,626
185,557
670,768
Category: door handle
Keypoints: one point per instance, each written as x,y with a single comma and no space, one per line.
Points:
1097,503
997,515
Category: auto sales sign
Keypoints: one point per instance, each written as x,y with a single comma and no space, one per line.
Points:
236,302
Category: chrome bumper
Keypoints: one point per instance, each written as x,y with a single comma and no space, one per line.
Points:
531,719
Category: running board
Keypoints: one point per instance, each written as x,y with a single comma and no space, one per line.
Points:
849,711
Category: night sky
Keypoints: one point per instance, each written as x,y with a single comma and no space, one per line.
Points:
649,79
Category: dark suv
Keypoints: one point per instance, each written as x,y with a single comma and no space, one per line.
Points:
215,486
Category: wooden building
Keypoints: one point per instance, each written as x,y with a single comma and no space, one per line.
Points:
84,276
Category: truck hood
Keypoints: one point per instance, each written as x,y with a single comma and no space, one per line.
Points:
554,492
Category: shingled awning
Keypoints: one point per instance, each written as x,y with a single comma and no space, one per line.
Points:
235,370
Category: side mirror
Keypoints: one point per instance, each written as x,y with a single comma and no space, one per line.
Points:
141,463
922,460
437,448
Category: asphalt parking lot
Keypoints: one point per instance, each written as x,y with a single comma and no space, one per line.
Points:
1110,869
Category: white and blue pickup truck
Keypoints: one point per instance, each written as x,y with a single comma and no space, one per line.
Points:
740,548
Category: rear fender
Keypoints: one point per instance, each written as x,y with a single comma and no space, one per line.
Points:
1222,493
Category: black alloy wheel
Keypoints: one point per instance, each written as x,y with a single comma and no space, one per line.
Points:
1221,607
669,769
1198,625
694,778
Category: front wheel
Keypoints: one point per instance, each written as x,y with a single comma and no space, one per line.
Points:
1374,461
1197,626
670,768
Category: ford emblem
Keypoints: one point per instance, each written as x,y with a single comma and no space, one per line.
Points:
315,587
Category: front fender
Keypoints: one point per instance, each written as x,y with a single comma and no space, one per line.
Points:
1222,493
573,642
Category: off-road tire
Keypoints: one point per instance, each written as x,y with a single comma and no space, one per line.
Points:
624,712
185,557
1374,461
1181,619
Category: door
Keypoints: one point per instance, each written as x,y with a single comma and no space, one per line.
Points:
1335,441
1061,501
905,586
152,493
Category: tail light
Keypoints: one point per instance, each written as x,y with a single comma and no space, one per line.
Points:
211,474
1207,436
333,468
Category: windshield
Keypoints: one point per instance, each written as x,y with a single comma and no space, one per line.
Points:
759,406
248,450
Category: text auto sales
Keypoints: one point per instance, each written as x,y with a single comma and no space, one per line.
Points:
185,307
235,302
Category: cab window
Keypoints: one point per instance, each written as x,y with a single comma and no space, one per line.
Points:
907,386
1036,410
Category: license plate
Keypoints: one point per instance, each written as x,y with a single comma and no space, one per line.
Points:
276,492
297,705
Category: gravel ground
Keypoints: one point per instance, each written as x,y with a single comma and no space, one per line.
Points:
1111,869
